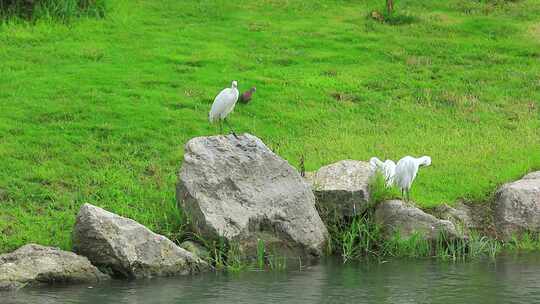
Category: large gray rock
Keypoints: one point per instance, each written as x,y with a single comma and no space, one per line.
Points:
517,207
237,189
342,188
36,265
396,216
532,175
128,248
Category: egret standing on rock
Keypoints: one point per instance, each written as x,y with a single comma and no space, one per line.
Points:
223,105
406,171
388,169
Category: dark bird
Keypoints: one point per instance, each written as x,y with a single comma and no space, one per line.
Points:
246,96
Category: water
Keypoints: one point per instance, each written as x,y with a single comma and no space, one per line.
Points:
509,279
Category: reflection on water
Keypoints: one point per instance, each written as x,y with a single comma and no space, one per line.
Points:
510,279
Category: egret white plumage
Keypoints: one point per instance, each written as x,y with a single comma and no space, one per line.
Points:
406,171
224,104
387,168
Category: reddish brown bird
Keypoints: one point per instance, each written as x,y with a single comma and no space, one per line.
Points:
246,96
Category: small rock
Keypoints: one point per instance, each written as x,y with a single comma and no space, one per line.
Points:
398,216
342,188
460,215
34,264
239,190
517,207
128,248
196,249
467,217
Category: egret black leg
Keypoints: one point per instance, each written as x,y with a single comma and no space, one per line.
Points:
228,125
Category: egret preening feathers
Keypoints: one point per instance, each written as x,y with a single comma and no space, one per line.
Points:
224,104
406,171
387,168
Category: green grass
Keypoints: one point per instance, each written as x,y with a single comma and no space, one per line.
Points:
363,238
98,110
527,241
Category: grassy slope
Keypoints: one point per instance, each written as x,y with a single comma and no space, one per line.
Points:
98,111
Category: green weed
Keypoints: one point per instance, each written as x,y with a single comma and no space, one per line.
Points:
363,238
261,253
527,241
277,262
413,246
63,10
379,192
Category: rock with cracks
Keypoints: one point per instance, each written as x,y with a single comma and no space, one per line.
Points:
342,188
237,189
517,207
398,217
127,248
33,265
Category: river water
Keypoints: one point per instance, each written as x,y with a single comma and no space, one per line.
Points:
509,279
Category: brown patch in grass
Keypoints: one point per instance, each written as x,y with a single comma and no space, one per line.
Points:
442,18
418,61
534,31
467,102
377,16
345,97
519,110
329,73
3,195
8,230
258,26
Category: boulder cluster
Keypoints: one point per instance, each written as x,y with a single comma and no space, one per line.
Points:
235,189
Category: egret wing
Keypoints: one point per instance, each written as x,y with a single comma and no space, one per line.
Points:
220,105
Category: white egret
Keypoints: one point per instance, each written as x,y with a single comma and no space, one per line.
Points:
388,169
406,171
223,105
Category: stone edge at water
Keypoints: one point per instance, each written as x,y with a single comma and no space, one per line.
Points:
129,249
33,265
396,216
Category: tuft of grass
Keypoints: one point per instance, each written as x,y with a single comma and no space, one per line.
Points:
219,250
412,247
527,241
235,261
63,10
363,238
228,256
378,190
261,253
473,247
277,262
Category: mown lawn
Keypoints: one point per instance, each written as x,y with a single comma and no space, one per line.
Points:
98,110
